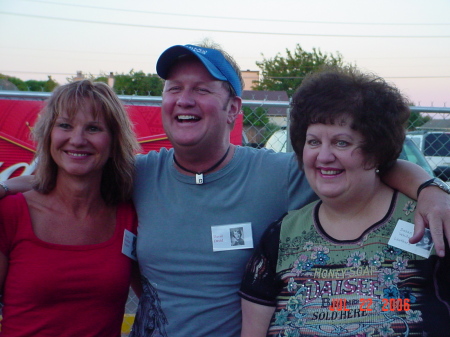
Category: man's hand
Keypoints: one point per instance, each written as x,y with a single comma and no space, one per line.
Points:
433,211
18,184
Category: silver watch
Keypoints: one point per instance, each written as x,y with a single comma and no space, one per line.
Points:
434,182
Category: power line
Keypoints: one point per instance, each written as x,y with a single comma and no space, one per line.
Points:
242,19
226,31
78,51
74,51
34,72
272,77
398,77
417,77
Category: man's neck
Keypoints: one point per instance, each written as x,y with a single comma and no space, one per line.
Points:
201,162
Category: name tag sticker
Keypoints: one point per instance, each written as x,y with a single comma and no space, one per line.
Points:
129,244
231,237
400,239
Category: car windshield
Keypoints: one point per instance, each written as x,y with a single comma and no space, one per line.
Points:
278,141
411,153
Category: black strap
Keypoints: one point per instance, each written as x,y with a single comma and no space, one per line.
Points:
206,171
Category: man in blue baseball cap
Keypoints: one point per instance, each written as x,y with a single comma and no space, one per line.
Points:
190,198
220,65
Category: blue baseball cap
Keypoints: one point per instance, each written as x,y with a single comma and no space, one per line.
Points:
213,60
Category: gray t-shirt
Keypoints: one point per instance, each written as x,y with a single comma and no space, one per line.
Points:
187,285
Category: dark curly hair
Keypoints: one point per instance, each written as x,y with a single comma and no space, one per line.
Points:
378,110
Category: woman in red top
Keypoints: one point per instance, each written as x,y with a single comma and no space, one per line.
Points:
62,269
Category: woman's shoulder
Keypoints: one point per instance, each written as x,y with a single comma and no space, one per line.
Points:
405,203
13,214
296,221
126,216
303,211
12,203
126,207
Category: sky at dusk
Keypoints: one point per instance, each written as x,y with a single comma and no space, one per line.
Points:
405,41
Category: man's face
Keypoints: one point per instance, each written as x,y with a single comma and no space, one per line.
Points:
237,234
197,110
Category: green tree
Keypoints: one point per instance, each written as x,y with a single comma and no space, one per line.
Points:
50,84
136,83
88,76
285,73
16,81
102,78
47,86
32,85
255,117
416,120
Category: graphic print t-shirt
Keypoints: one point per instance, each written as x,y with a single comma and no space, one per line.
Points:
364,287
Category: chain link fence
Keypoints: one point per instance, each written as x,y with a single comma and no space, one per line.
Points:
266,124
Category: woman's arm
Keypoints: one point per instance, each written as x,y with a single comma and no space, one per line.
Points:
406,177
433,205
255,319
16,185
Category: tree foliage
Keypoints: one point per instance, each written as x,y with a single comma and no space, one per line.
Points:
31,85
20,85
136,83
46,86
416,120
87,76
255,117
285,73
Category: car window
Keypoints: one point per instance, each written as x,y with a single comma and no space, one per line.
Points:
278,141
437,144
412,153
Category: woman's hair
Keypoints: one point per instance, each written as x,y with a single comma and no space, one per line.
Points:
377,109
118,172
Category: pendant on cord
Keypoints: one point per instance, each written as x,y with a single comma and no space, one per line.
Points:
199,175
199,178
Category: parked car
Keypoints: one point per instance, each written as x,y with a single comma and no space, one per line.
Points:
279,143
435,146
412,153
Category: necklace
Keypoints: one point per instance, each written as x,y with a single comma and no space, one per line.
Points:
199,175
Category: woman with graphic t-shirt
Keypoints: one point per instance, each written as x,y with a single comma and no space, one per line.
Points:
327,269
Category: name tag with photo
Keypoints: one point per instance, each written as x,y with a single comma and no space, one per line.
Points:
400,239
232,237
129,244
